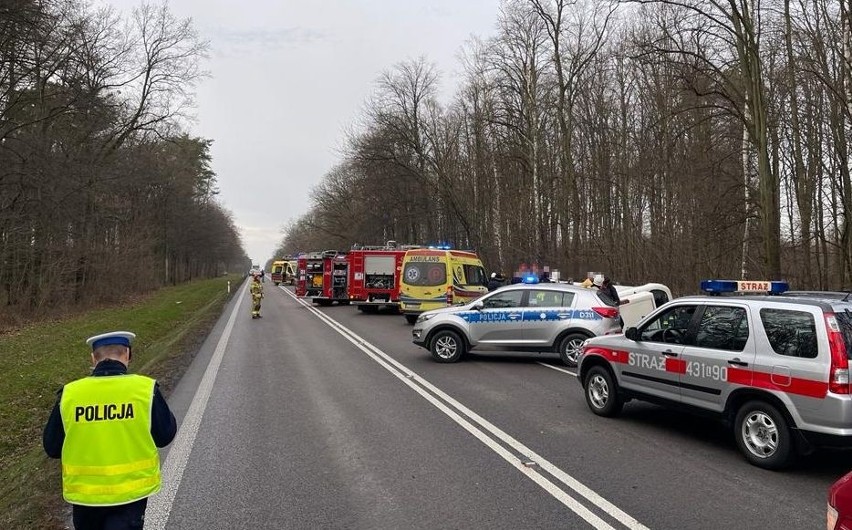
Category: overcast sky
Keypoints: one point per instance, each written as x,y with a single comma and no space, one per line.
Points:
289,77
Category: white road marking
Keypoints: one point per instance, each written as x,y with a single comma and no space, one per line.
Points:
160,505
466,418
558,369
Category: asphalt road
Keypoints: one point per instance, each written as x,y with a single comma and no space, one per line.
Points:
331,418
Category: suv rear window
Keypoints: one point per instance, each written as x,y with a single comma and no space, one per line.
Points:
791,333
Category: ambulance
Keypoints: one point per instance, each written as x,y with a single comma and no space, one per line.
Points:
323,276
282,272
439,277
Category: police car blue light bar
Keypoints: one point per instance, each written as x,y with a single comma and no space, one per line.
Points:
530,279
744,286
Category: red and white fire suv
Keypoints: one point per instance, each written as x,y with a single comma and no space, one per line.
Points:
322,276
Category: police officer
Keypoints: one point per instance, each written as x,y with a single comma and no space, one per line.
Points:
106,428
605,286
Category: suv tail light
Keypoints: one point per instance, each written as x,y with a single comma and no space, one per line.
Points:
838,382
606,312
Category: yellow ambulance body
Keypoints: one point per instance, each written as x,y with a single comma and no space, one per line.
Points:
433,278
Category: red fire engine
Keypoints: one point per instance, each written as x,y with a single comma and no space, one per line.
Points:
374,274
322,276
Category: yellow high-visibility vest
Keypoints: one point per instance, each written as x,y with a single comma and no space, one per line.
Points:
109,457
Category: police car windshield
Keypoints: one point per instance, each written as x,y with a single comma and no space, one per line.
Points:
425,274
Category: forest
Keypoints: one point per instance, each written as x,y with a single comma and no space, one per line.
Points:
103,193
656,140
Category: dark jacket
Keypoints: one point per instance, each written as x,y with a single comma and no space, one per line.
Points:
163,424
610,292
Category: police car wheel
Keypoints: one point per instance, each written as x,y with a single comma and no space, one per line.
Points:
763,436
602,392
447,346
570,347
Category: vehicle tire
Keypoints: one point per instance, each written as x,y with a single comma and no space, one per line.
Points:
411,319
569,348
602,392
446,346
763,435
323,302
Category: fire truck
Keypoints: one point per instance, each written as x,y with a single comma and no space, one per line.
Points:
374,274
322,276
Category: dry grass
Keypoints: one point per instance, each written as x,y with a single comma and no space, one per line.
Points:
37,360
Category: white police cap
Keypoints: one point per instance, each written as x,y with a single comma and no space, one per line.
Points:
125,338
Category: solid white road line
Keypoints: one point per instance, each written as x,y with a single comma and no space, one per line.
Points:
466,418
558,369
160,505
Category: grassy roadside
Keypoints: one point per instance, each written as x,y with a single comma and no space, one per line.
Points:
36,362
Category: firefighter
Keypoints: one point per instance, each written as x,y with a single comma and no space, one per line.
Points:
256,289
106,429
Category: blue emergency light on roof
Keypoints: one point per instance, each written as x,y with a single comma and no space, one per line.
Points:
530,278
743,286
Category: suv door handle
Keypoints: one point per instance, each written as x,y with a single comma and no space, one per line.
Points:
737,362
669,353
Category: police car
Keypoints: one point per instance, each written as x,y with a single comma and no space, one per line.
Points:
776,367
546,316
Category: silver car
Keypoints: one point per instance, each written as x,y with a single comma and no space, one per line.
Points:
774,367
542,317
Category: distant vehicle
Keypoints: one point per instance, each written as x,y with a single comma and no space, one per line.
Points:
255,269
638,302
775,367
540,317
282,272
439,277
322,276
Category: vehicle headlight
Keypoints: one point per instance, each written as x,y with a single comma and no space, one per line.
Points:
425,317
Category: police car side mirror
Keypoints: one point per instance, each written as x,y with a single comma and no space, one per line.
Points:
631,333
478,305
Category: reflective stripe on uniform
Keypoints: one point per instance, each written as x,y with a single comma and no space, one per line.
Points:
118,469
116,489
